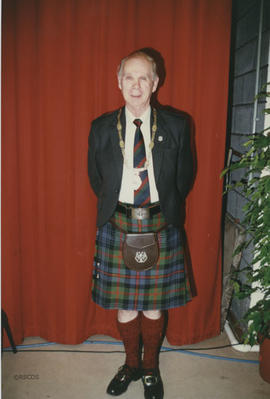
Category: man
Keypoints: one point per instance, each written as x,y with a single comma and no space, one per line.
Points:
138,196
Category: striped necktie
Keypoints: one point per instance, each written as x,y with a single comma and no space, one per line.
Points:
142,194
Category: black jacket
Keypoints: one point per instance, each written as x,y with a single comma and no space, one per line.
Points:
172,161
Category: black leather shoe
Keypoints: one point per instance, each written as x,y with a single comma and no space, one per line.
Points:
119,384
153,385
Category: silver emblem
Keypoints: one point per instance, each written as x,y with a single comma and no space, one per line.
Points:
141,256
160,138
140,213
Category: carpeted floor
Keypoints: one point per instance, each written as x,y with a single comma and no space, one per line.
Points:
202,374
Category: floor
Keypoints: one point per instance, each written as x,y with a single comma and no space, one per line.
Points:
60,373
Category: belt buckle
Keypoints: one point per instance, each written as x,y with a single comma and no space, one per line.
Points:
140,213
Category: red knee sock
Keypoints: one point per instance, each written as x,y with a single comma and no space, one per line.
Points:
152,333
130,334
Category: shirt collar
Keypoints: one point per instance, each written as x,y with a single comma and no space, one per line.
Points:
144,117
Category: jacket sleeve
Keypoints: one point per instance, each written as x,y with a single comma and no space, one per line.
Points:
93,173
185,162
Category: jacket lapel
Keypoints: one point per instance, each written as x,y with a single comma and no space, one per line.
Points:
160,143
116,150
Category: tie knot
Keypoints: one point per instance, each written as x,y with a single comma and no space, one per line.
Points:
137,122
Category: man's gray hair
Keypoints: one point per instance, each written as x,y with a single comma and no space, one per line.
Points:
137,54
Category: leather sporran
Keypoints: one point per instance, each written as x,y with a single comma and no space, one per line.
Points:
140,251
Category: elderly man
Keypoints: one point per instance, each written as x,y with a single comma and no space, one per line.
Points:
140,168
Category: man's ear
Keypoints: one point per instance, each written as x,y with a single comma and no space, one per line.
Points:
155,84
119,84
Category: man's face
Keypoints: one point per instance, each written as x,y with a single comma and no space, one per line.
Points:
137,84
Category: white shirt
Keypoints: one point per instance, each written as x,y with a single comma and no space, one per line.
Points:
126,192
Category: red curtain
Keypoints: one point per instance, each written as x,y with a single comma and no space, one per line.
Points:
59,72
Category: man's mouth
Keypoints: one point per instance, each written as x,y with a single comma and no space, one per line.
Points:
135,95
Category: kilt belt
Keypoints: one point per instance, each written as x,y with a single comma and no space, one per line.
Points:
138,213
114,286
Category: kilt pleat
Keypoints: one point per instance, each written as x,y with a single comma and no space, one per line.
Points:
114,286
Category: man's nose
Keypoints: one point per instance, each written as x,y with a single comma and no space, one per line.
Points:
136,83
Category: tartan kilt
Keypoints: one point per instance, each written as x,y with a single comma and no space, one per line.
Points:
114,286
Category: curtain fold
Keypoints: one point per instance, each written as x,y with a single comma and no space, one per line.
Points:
58,73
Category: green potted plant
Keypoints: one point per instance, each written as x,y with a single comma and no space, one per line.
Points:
255,185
